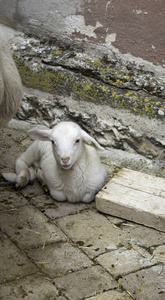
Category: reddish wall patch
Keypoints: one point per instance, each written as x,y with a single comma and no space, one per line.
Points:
139,26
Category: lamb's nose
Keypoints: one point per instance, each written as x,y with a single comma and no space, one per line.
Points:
65,159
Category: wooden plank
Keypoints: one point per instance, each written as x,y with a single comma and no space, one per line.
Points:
136,197
140,181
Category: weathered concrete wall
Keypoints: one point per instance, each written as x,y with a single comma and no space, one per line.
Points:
129,26
42,18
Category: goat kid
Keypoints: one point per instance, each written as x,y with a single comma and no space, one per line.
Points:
62,159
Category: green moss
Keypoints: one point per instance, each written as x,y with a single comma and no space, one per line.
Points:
57,52
64,82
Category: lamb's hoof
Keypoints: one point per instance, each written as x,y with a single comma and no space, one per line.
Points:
17,186
45,188
21,182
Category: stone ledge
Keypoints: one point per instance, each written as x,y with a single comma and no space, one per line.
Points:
45,66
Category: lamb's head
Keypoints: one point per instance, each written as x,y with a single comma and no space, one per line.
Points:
68,141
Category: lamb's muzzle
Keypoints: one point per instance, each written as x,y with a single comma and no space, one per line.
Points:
65,161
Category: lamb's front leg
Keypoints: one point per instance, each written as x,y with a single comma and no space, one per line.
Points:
56,195
88,197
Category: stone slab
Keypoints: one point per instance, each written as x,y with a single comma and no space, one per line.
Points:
111,295
92,232
126,260
85,283
28,227
134,196
34,287
13,262
146,284
143,236
59,259
11,200
159,254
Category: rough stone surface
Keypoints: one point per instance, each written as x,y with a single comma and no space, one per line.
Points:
159,253
14,263
141,235
35,287
85,283
10,201
52,250
146,284
102,235
59,259
126,260
113,295
68,72
28,228
90,76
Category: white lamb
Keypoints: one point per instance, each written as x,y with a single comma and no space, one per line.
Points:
69,167
10,84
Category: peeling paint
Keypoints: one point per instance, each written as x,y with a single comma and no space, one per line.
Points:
110,38
126,27
139,12
76,23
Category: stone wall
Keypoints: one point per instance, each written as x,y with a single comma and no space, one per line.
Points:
105,80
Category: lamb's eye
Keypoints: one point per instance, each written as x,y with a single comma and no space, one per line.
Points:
53,143
77,141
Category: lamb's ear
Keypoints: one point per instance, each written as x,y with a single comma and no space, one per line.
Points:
38,134
89,140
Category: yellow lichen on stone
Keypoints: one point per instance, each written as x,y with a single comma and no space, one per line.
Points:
58,80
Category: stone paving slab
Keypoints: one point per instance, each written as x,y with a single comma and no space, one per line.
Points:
143,236
29,228
111,295
61,251
97,234
11,200
59,259
146,284
159,254
6,163
13,262
6,143
124,260
85,283
29,289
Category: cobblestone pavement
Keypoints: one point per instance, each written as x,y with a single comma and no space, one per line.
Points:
51,250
